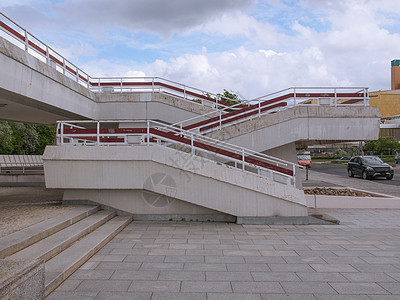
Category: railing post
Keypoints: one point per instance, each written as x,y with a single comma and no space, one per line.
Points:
192,144
63,66
121,85
152,89
294,95
294,175
148,133
335,91
243,159
259,107
220,119
99,85
47,55
26,41
62,134
77,74
184,91
98,132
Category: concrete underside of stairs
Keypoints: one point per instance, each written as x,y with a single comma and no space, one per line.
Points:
145,180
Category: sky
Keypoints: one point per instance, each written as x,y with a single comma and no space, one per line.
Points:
249,47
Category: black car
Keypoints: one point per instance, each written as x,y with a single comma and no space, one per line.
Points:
369,167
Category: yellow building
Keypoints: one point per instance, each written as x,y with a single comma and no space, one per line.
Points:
388,102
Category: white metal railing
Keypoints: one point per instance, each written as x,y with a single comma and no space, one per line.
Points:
34,46
290,97
150,133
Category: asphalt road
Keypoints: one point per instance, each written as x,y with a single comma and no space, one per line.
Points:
325,174
341,170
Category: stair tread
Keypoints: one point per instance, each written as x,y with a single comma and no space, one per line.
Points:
18,240
64,264
54,244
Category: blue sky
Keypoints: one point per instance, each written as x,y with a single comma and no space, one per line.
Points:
253,47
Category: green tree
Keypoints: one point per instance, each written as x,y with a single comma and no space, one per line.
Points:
5,138
382,146
19,138
229,97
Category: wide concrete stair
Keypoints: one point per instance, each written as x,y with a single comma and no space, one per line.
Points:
64,242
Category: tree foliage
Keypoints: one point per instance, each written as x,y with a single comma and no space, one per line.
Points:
229,97
382,146
19,138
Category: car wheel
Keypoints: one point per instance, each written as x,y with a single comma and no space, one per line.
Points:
350,172
390,177
364,175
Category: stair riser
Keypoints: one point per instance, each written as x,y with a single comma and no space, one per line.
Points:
54,283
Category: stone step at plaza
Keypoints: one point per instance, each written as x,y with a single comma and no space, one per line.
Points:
63,243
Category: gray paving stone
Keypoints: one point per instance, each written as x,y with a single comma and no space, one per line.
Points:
333,268
92,274
124,295
118,266
290,268
368,277
72,295
103,285
372,268
68,285
134,275
182,275
307,288
206,286
275,276
184,259
229,276
231,296
264,260
161,266
287,297
225,259
344,297
247,267
257,287
204,267
155,286
144,258
358,288
391,287
179,296
322,277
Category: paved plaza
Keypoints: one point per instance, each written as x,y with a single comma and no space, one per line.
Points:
358,259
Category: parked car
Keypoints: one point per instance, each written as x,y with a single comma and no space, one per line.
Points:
369,167
304,160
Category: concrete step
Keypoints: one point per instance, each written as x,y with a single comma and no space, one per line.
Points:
21,239
51,246
64,264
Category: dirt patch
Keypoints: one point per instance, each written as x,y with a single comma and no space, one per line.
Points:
336,192
18,217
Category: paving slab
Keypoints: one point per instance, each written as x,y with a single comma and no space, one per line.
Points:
332,262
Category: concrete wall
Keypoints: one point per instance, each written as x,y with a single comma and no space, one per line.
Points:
120,172
303,124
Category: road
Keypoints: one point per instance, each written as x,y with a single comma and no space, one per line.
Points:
326,174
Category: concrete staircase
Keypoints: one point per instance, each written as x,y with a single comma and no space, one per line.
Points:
64,242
